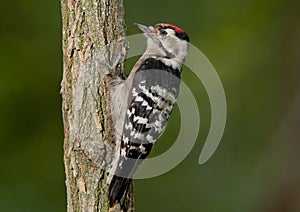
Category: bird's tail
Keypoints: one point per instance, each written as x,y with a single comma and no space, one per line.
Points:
122,171
117,190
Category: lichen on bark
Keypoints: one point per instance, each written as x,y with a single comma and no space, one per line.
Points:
93,48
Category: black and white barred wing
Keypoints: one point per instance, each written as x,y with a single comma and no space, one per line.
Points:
149,108
153,95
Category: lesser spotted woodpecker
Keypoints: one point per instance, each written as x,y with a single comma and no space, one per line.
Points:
142,103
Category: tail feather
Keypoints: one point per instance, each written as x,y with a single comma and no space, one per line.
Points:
118,189
122,171
121,179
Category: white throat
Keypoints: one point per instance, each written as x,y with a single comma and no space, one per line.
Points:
175,62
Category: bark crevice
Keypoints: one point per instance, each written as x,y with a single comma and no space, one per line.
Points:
93,48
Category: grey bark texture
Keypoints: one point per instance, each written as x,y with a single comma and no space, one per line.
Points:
94,48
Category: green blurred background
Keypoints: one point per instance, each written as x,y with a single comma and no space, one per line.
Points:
255,48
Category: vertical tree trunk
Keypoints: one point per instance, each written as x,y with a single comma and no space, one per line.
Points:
93,47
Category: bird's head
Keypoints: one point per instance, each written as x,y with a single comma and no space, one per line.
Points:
166,41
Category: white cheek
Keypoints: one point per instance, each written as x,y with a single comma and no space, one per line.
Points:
170,32
169,44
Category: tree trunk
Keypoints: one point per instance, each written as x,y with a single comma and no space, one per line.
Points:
93,48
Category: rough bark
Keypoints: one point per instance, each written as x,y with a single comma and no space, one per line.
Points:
93,48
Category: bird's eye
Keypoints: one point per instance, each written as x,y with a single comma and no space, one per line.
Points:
163,32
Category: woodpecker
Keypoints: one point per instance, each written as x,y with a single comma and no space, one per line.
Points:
142,103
